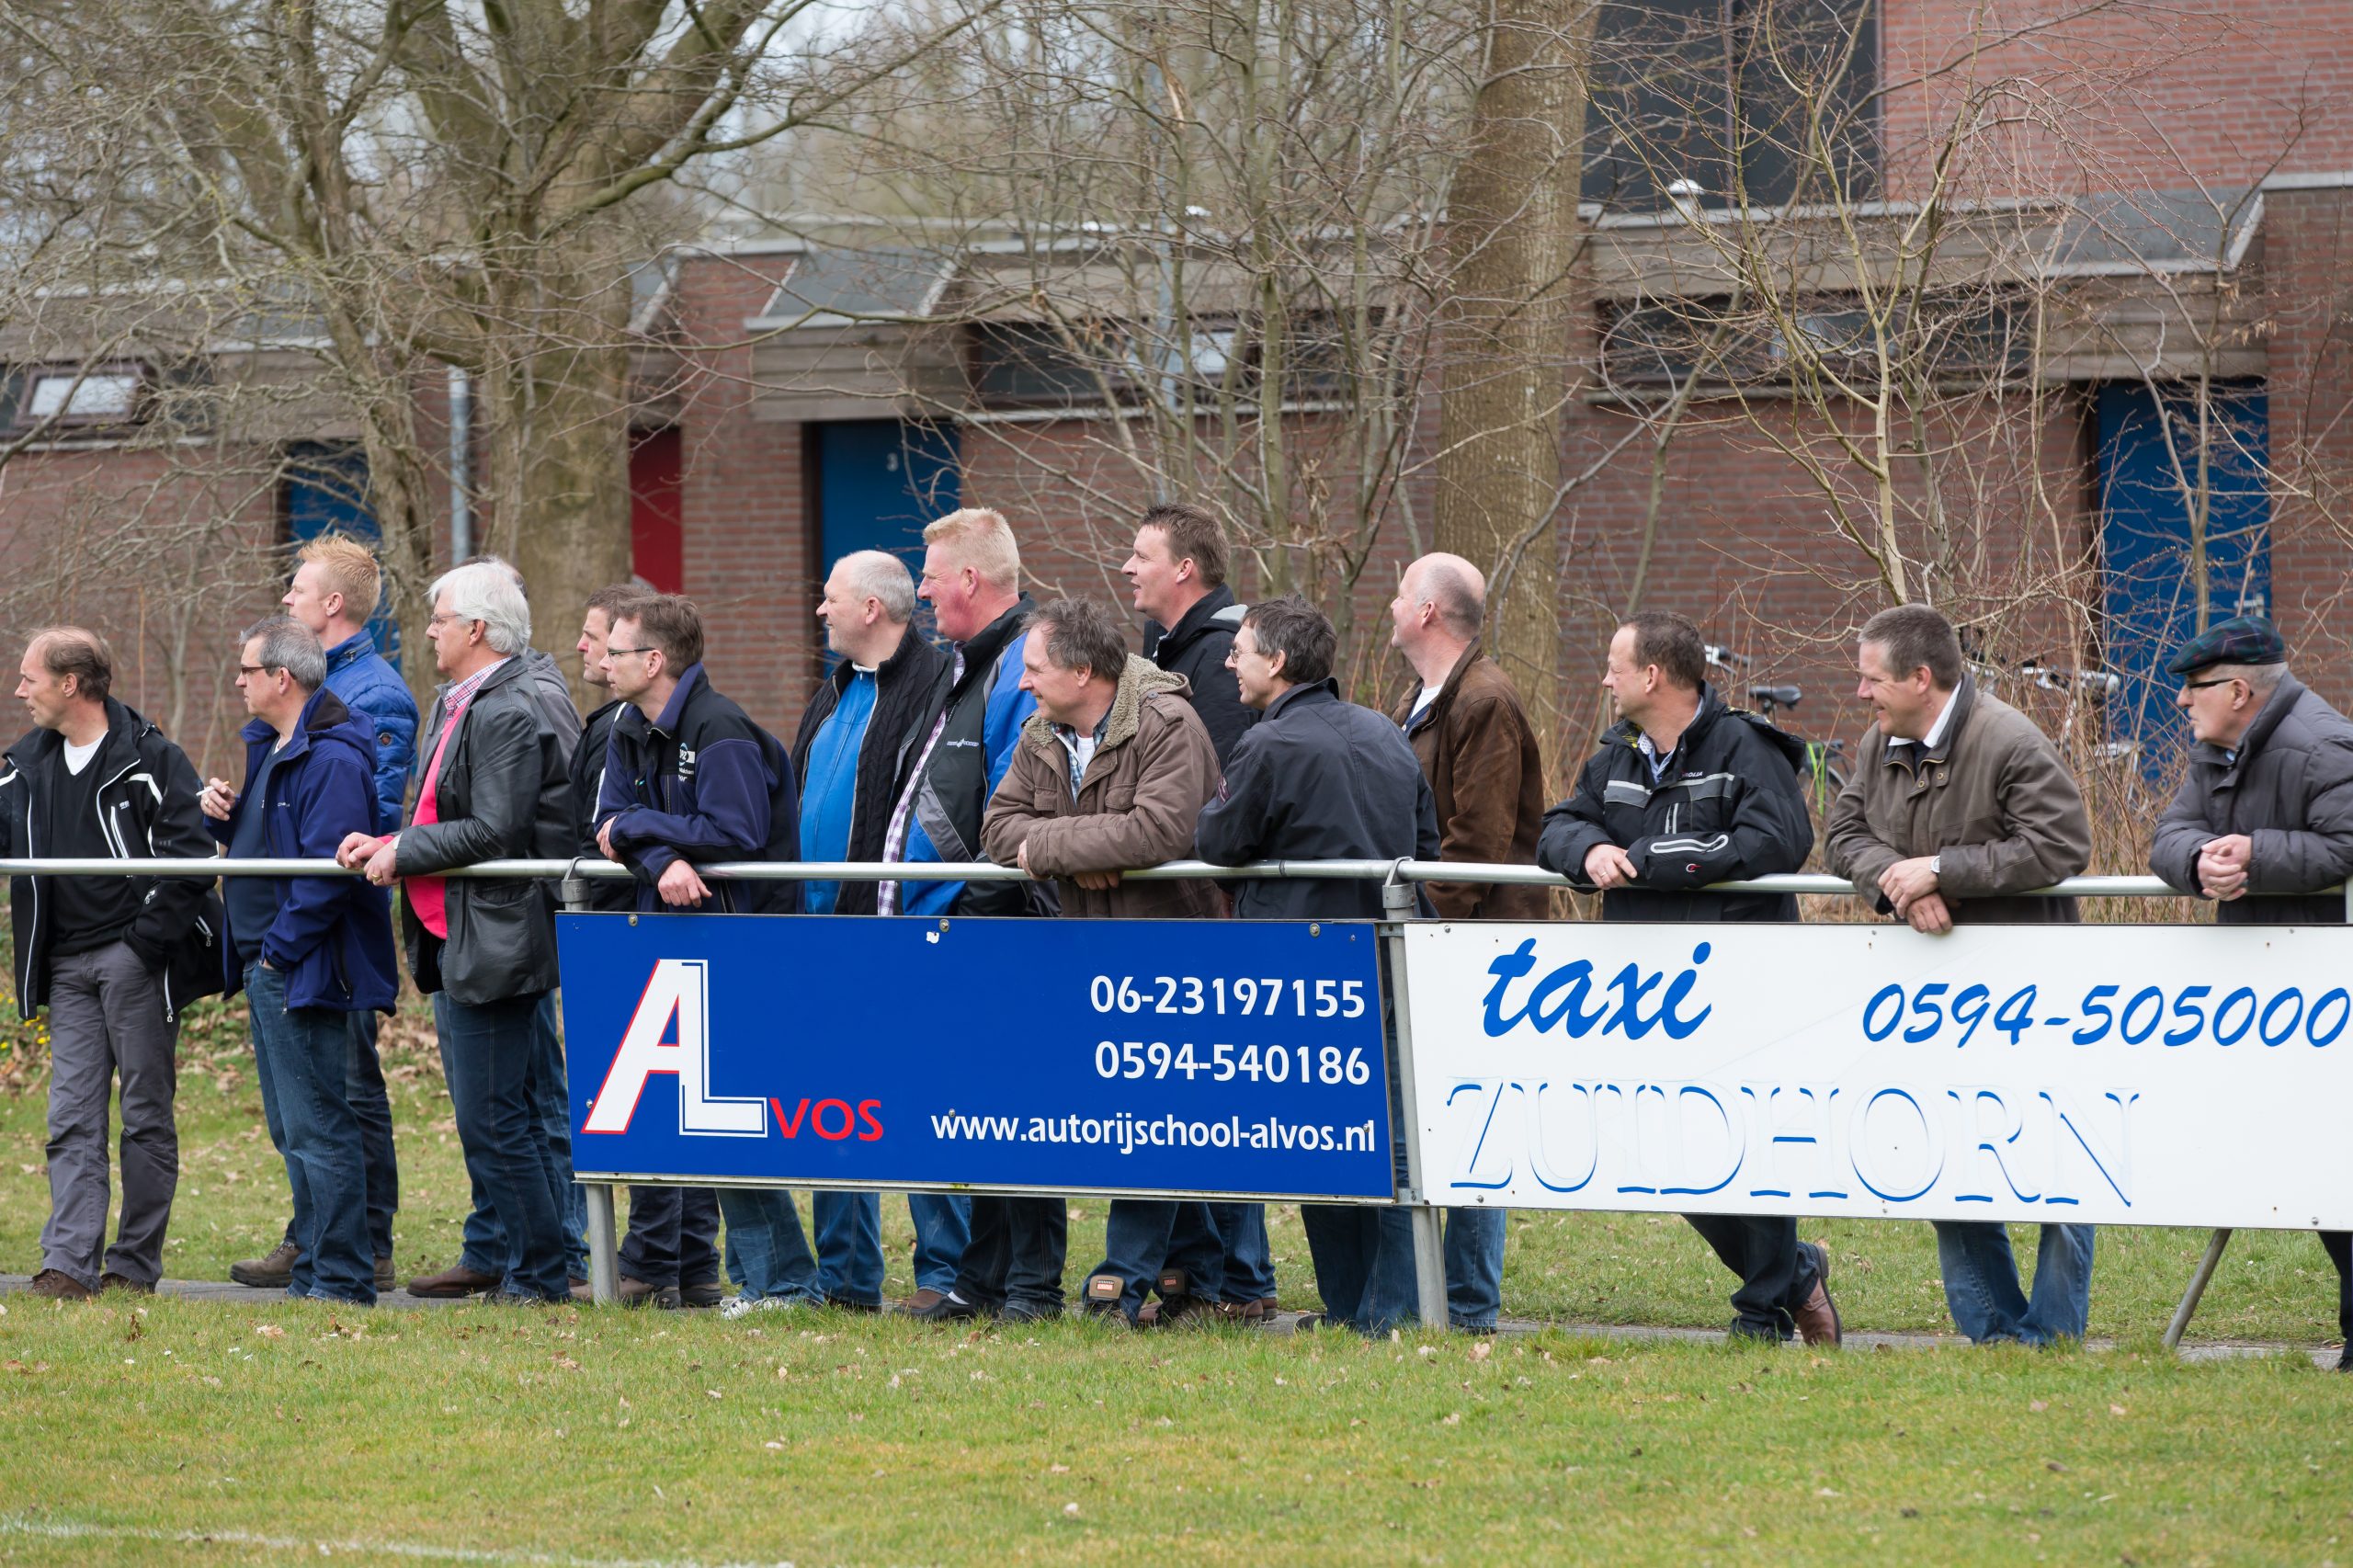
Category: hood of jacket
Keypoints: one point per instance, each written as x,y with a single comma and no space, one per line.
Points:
1139,679
1213,612
1714,710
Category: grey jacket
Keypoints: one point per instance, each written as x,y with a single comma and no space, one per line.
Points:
504,790
2289,790
1994,799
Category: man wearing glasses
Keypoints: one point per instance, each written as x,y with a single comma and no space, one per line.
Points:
2266,807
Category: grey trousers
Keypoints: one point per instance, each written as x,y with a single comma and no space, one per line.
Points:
108,1016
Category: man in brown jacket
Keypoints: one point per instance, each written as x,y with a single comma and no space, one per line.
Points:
1476,748
1957,805
1109,775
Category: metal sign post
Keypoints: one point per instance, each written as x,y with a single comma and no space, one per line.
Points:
1429,1250
604,1241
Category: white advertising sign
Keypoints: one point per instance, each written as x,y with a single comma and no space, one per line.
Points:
2109,1075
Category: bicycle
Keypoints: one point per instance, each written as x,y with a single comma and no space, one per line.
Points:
2076,684
1826,761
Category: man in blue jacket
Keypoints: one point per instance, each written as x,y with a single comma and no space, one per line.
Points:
309,951
689,777
336,588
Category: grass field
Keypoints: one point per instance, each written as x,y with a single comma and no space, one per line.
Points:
177,1431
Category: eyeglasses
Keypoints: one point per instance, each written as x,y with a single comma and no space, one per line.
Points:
610,650
2202,684
438,619
255,669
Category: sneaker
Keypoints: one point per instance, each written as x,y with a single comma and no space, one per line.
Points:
942,1307
1030,1312
1817,1318
110,1282
744,1306
274,1270
56,1285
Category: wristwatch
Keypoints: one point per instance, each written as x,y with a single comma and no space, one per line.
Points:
1935,865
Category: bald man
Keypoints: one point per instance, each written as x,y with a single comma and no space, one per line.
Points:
1467,728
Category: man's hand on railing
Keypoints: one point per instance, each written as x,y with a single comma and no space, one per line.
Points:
374,856
681,887
1608,867
2223,865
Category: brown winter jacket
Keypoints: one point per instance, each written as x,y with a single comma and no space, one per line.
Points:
1479,753
1144,787
1993,800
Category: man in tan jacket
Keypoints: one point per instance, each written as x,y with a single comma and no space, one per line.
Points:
1478,751
1957,805
1109,776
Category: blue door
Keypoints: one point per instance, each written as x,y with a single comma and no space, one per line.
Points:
878,482
2153,602
326,491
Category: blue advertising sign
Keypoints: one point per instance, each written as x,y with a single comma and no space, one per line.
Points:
1206,1057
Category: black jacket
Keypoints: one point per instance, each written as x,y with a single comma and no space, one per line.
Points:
951,788
2290,791
504,791
608,893
701,784
906,691
146,809
1730,808
1318,779
1196,648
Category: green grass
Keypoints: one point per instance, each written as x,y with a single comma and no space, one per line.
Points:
837,1439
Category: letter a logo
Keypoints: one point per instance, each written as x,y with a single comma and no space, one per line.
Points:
680,989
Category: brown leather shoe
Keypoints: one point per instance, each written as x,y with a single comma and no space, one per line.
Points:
110,1283
1249,1314
1817,1319
384,1279
451,1282
56,1285
922,1301
274,1270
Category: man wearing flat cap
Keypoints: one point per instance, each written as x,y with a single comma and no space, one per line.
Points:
2265,809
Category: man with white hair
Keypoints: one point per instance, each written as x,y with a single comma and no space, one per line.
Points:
856,736
495,785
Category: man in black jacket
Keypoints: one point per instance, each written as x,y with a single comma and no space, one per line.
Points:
1177,571
855,743
497,784
114,958
1317,779
2267,808
1684,792
692,779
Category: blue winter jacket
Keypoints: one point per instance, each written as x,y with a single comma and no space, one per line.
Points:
332,937
986,710
377,696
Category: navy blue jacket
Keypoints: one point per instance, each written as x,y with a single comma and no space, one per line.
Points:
380,699
703,784
332,937
1317,779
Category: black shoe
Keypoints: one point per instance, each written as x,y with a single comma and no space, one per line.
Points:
950,1307
2345,1361
708,1294
1030,1312
844,1304
1107,1314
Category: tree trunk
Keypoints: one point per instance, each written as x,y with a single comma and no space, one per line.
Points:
1511,239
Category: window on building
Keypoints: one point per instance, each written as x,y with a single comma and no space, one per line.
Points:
1729,96
1962,337
75,398
1042,364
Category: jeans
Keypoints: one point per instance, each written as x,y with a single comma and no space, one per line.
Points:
363,1085
1249,1260
1364,1264
1982,1281
1144,1236
849,1245
303,1056
1775,1274
943,1230
1016,1253
107,1017
766,1252
1474,1266
486,1249
673,1235
487,1052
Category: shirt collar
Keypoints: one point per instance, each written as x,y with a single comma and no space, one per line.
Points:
1936,731
455,696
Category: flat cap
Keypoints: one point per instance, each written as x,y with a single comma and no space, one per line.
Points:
2241,640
